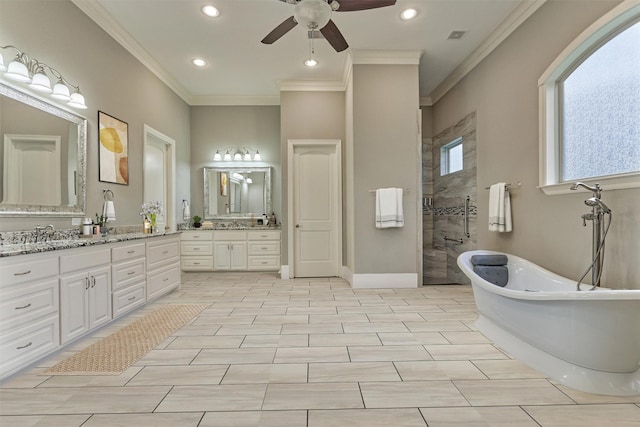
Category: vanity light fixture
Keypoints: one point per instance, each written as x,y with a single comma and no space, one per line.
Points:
34,74
239,154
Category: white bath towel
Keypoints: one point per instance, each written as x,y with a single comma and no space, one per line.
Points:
186,211
109,211
499,208
389,212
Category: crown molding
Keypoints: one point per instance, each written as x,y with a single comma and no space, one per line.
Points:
211,100
100,16
386,57
311,85
426,101
521,13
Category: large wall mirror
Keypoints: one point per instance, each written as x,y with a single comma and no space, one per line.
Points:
236,193
42,160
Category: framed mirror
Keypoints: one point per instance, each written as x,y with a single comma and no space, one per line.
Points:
42,157
236,193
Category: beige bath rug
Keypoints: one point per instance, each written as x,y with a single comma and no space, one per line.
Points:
115,353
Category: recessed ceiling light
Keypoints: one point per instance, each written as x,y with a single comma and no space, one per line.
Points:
408,14
210,11
199,62
310,62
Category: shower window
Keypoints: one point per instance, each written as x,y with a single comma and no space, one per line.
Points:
590,107
451,156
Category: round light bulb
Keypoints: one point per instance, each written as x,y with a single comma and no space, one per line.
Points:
210,11
408,14
310,62
199,62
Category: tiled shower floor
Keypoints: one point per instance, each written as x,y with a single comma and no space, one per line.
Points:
289,353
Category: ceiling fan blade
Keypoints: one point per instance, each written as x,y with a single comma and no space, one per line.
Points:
280,30
334,36
351,5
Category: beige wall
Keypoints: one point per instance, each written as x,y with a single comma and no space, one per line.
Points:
214,128
386,153
113,81
307,115
503,90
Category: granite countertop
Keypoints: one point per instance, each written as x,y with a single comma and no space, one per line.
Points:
12,249
231,227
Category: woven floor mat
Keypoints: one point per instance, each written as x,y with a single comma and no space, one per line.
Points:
116,352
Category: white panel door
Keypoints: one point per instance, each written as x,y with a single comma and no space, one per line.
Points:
316,209
155,178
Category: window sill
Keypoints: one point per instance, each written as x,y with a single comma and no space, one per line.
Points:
612,182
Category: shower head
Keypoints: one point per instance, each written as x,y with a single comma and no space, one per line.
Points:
594,201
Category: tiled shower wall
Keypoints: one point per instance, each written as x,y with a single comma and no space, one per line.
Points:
445,217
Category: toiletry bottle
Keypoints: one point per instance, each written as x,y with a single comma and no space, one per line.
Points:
146,226
87,227
272,221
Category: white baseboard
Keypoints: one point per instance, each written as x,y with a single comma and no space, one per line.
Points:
284,272
383,280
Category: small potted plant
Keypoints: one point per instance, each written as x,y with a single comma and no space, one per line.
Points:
196,221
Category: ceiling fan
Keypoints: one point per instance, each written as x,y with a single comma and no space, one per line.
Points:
315,15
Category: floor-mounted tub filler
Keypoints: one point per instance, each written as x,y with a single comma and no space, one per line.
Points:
588,340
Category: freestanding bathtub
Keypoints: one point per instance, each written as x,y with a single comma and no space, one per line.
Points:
586,340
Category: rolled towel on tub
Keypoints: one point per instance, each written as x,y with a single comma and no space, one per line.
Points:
496,274
489,259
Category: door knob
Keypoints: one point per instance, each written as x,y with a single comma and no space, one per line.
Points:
297,225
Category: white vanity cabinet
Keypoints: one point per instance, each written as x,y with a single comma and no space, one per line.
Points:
230,250
163,265
128,277
196,250
29,314
85,291
264,250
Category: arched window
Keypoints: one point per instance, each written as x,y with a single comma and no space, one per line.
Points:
590,107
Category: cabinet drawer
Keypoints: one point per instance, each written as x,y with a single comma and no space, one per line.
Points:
196,248
264,248
160,252
196,263
264,263
196,235
19,304
84,259
162,281
263,235
127,299
229,235
127,273
12,274
124,253
28,343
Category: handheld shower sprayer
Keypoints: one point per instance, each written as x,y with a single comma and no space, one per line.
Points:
594,201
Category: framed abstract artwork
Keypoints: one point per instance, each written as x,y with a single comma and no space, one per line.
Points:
113,137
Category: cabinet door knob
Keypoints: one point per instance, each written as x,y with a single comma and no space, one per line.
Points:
297,225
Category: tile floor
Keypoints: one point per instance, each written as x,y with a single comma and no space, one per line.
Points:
295,353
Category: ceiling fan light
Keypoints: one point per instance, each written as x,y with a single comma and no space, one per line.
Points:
310,62
312,14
